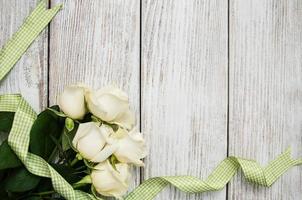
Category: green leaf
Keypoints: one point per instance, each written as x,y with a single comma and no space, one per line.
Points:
3,194
45,184
6,121
46,126
89,165
33,198
68,173
1,175
8,158
21,180
113,161
69,155
68,137
65,142
58,113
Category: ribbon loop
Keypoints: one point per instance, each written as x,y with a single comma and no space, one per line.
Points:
224,172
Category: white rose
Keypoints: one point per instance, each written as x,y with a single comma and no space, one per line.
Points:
110,182
131,146
72,101
91,141
111,105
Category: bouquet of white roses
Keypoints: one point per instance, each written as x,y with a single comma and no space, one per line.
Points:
89,138
106,138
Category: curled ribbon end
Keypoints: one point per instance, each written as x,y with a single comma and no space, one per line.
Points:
288,151
58,7
44,5
295,161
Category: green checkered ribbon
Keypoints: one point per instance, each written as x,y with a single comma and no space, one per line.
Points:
253,172
28,32
25,117
18,140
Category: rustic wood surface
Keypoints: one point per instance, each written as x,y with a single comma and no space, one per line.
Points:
206,78
29,76
265,90
184,89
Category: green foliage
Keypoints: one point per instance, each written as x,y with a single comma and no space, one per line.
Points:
21,180
50,139
65,142
46,127
6,121
4,194
56,111
8,158
44,185
33,198
68,136
69,173
113,161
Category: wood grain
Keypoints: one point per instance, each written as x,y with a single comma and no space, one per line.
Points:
96,43
266,90
29,76
183,78
184,90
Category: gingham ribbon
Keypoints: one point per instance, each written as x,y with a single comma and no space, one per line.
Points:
18,140
27,33
252,171
25,117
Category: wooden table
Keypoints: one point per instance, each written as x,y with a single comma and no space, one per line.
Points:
207,78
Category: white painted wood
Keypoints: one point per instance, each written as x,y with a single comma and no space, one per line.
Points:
184,89
183,78
96,42
266,90
29,76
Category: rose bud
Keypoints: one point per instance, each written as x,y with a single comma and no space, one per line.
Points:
72,101
108,181
110,104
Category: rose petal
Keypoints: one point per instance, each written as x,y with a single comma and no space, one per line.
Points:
102,155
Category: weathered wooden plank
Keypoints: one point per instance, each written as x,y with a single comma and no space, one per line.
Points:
96,42
184,90
29,76
266,90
